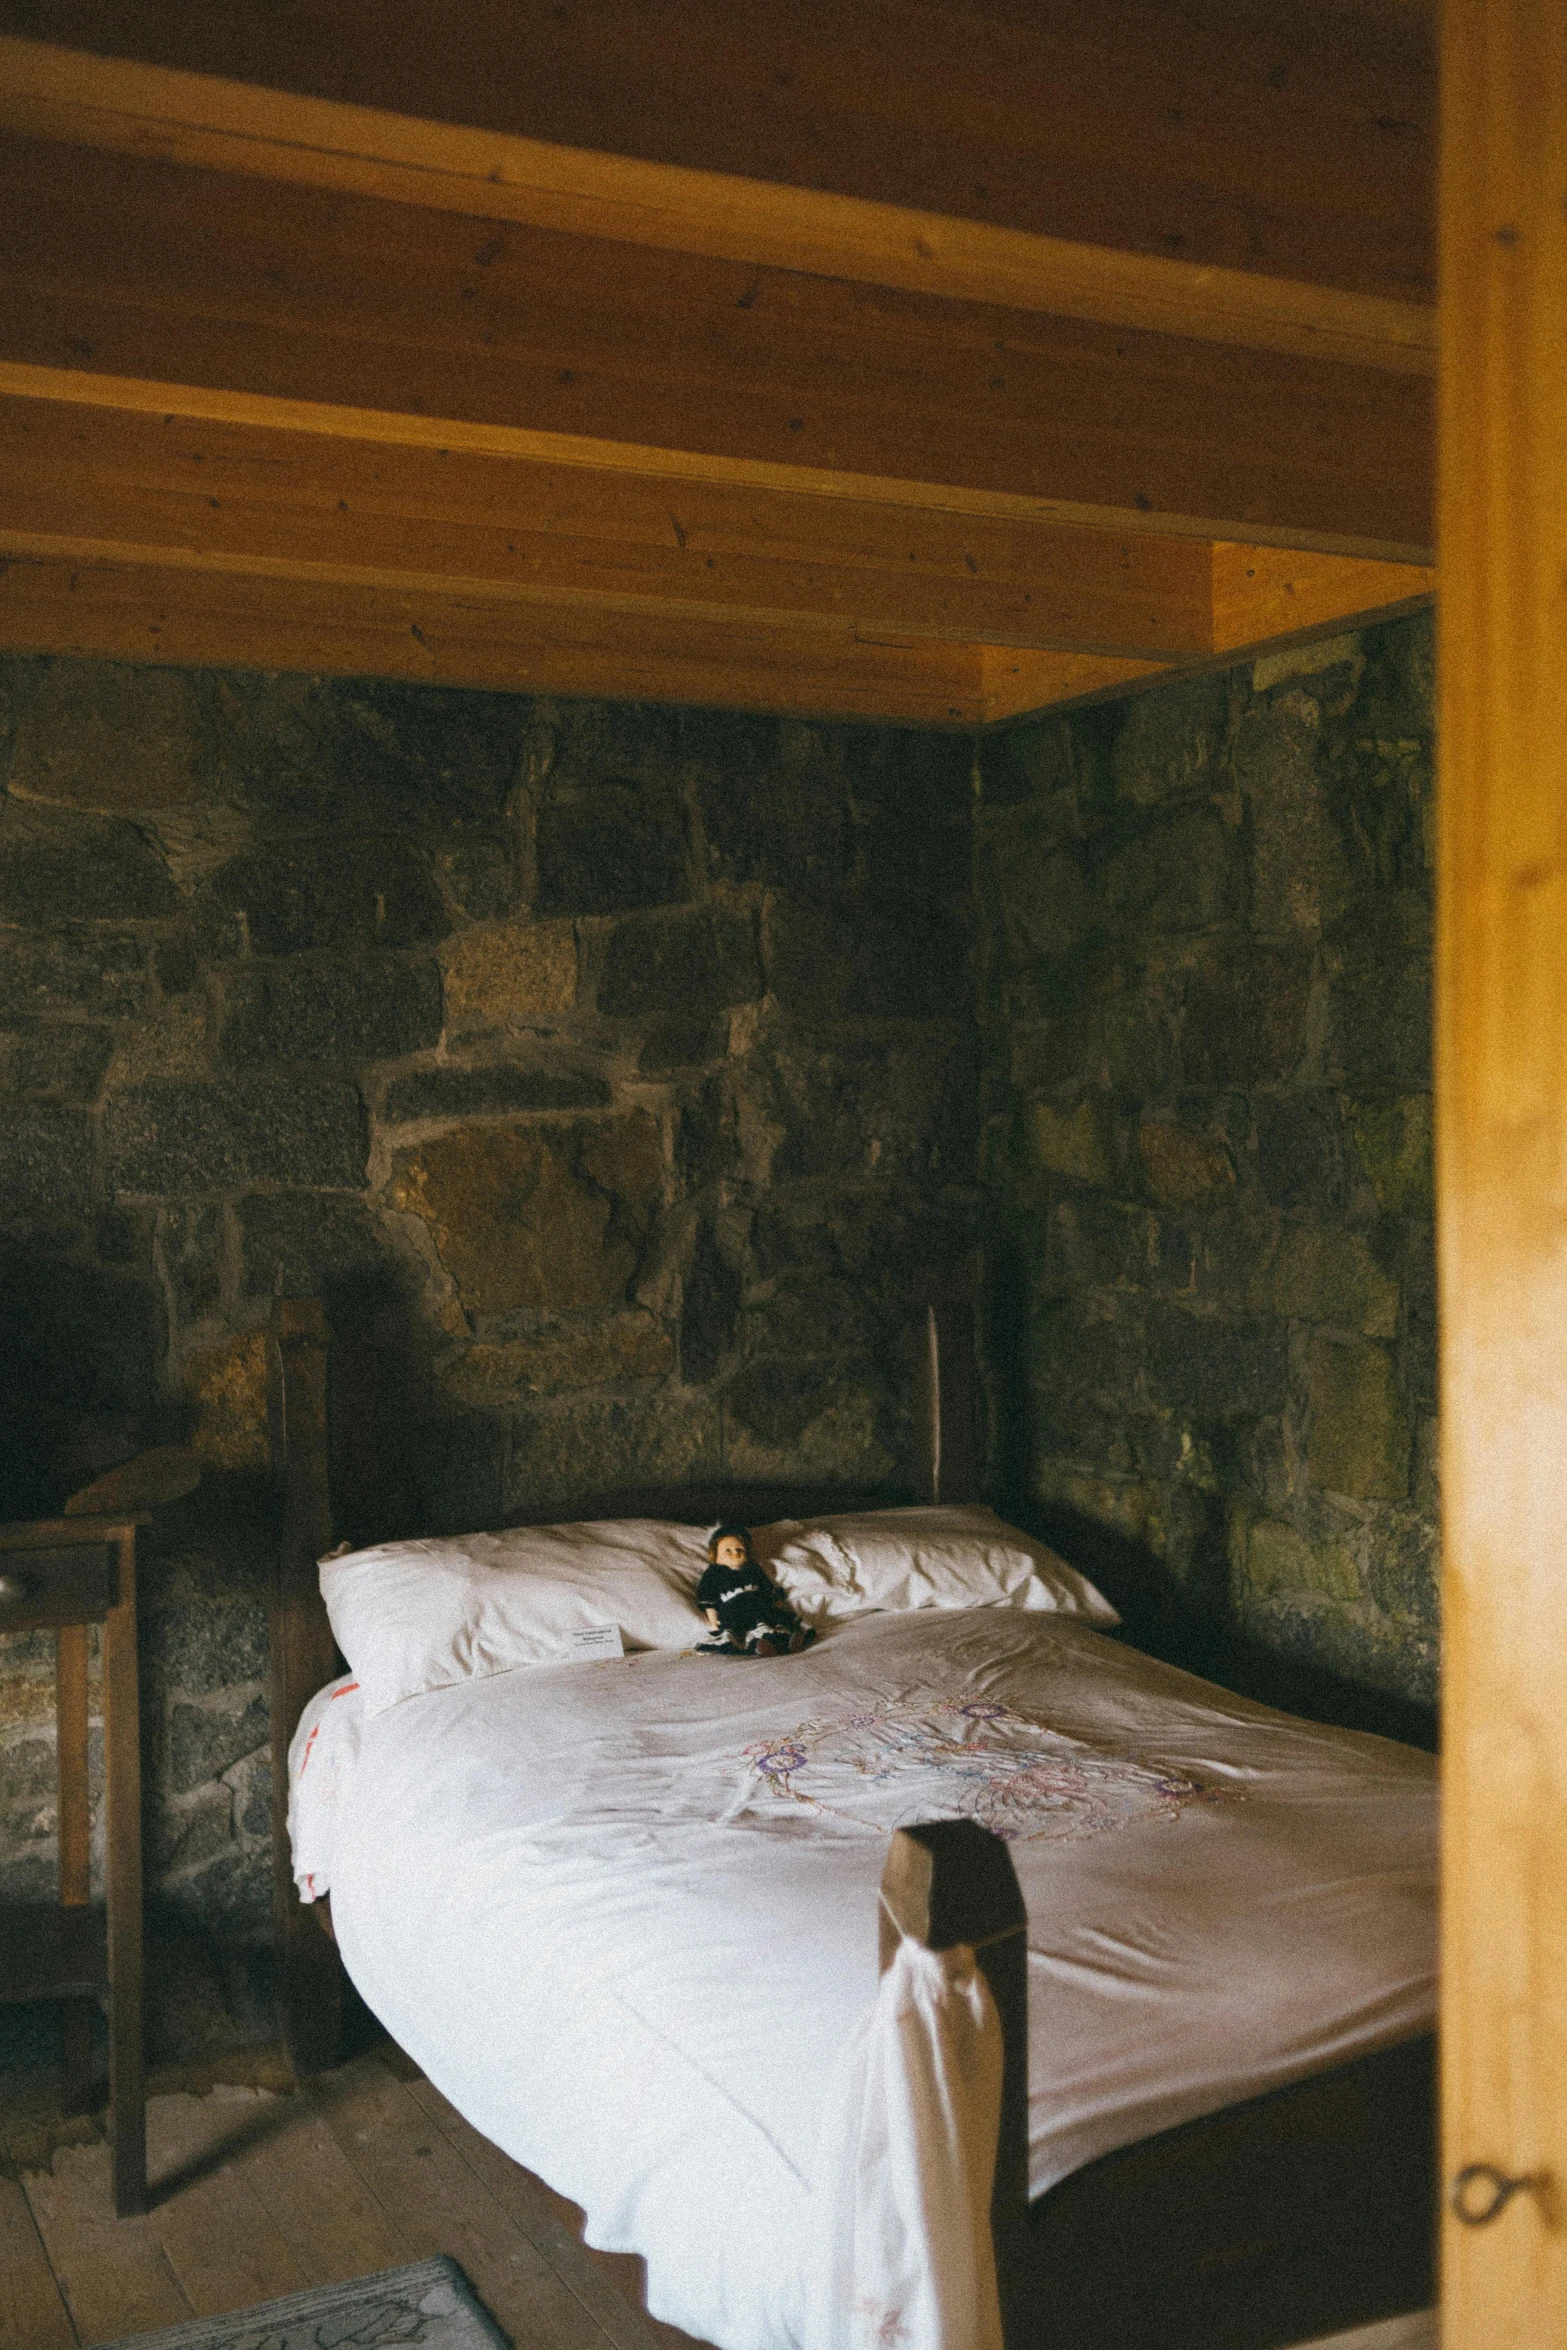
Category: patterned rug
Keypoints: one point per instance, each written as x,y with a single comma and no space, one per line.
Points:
430,2304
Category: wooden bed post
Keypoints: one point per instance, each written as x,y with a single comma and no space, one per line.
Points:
953,1881
303,1656
946,1448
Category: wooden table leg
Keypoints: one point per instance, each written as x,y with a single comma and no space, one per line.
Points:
122,1753
74,1844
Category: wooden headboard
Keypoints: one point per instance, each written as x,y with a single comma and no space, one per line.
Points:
318,1424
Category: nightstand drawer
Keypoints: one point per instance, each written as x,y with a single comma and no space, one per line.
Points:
68,1584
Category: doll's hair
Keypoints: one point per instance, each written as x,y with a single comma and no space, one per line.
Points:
720,1533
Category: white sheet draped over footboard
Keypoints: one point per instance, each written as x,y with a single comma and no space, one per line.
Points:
903,2255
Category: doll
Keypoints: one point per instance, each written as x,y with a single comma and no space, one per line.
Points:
743,1605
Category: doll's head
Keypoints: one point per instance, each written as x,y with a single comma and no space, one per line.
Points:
730,1546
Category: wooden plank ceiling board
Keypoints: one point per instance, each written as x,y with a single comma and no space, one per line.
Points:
518,403
1294,140
232,126
139,267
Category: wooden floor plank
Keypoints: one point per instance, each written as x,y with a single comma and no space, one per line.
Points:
608,2284
222,2242
113,2273
331,2222
32,2314
437,2203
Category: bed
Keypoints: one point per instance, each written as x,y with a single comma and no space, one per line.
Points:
1223,2019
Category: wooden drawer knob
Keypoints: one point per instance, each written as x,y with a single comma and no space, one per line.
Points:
14,1587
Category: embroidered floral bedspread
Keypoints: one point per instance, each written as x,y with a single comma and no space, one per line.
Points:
887,1766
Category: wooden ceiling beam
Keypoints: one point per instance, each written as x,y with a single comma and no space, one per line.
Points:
136,474
486,175
1296,141
146,269
100,483
151,614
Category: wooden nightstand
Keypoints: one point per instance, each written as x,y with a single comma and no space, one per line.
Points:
63,1574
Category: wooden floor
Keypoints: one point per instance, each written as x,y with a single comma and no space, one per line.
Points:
261,2188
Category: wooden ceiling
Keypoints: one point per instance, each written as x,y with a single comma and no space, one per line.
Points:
932,360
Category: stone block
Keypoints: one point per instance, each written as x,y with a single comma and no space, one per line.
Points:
1246,1015
707,1141
553,1217
306,1244
1179,876
636,741
1299,874
481,877
1033,761
913,776
508,974
808,1419
332,893
610,848
227,1387
1182,1168
1359,1441
62,1058
196,1646
709,1306
590,1448
694,965
372,1011
46,1156
298,1128
1404,1570
100,972
673,1043
1171,743
773,804
1300,1157
56,866
1073,1140
850,958
492,1089
1281,1563
27,1771
176,966
191,1253
1418,1272
97,736
1381,995
171,1042
611,1353
1217,1369
1323,1273
852,1108
1393,1139
207,1740
371,752
1043,901
1097,1242
1087,1345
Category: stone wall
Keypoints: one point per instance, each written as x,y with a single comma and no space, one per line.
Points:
604,1068
1205,919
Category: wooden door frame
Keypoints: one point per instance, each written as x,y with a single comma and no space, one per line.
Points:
1501,1081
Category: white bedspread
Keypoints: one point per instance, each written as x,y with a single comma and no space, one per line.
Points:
624,1914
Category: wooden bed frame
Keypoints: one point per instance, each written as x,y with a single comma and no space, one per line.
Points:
1271,2222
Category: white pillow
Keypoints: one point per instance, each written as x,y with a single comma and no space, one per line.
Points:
413,1616
947,1555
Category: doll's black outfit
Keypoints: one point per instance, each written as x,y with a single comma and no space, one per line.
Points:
750,1609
